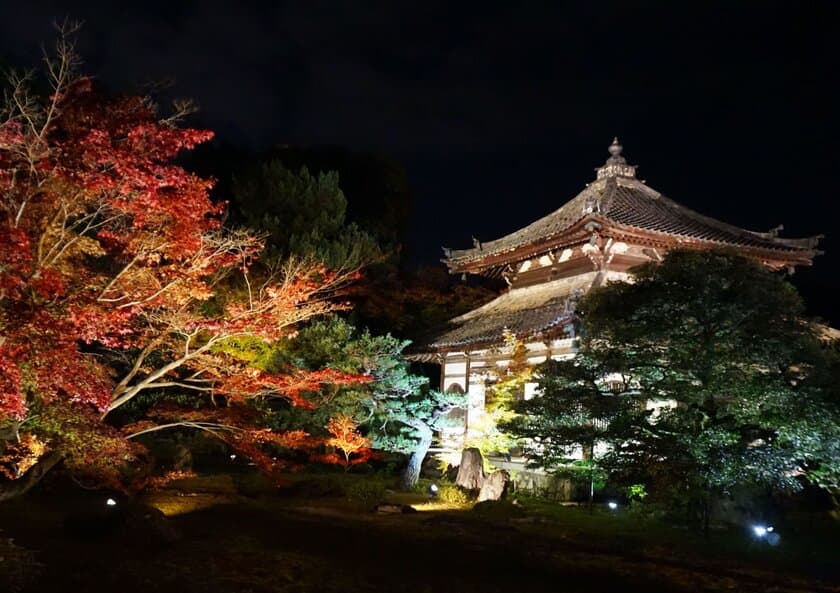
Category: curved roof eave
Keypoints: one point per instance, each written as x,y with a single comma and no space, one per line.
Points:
628,203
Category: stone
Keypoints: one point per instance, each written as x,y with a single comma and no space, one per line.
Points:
148,524
394,509
471,471
498,510
495,486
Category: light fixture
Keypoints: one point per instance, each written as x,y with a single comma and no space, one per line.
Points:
613,505
111,502
433,490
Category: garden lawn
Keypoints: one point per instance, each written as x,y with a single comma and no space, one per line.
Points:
287,541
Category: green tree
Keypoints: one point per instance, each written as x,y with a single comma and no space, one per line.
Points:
405,422
380,199
723,343
396,409
576,411
304,215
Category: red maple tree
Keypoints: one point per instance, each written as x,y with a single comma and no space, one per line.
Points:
355,447
117,279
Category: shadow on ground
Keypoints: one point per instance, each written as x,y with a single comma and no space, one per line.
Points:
277,545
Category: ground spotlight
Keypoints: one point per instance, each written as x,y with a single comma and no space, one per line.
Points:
613,505
433,490
766,533
762,530
111,502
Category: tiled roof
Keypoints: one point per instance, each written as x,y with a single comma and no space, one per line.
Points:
617,197
526,312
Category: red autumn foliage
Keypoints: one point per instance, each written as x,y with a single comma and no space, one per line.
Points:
237,425
292,385
117,278
354,447
162,481
19,456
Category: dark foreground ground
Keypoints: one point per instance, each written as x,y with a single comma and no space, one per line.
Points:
274,544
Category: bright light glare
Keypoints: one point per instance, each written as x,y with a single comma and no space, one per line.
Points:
612,505
439,506
111,502
233,456
433,488
761,530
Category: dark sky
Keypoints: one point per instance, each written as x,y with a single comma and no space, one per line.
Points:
500,111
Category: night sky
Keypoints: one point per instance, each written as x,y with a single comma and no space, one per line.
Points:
501,111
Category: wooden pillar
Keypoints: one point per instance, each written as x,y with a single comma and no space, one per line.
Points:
467,373
468,396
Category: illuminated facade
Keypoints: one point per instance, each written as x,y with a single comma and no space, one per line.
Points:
616,222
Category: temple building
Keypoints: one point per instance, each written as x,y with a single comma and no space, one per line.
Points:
616,222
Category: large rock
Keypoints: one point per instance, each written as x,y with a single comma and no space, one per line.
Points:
394,509
499,510
471,471
495,486
149,525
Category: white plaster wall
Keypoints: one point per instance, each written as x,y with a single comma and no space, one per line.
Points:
658,405
531,390
455,368
476,400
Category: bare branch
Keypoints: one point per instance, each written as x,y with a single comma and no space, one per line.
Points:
182,108
211,427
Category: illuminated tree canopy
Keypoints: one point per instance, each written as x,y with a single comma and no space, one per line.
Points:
395,409
119,280
747,385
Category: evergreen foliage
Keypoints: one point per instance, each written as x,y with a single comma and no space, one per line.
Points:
751,399
380,199
304,215
400,414
395,410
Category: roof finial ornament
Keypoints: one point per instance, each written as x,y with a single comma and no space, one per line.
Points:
616,165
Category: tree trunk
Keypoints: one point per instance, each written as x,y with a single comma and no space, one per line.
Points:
22,485
415,460
471,470
592,477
